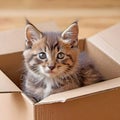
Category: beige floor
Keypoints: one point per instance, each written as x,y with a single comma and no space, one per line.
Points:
93,16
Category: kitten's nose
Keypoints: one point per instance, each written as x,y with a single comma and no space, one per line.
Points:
51,67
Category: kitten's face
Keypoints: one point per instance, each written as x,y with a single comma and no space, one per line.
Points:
52,54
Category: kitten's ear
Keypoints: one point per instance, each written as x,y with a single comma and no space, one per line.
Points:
32,34
70,35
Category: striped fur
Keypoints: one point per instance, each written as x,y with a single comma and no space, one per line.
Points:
59,68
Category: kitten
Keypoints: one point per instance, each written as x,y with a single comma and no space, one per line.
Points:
52,63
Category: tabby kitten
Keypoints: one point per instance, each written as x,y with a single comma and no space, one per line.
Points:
52,63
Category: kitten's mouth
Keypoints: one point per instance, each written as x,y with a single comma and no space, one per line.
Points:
50,72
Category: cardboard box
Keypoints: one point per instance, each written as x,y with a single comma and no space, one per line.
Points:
99,101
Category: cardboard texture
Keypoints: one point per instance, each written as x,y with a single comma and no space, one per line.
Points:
100,101
6,85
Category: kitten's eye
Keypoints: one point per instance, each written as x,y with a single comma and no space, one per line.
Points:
42,55
60,55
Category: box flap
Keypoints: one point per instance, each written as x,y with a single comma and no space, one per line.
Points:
15,107
81,92
6,85
108,41
13,40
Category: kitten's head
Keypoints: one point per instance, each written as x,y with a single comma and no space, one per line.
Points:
52,54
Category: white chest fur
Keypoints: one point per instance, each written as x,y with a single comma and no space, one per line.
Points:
48,88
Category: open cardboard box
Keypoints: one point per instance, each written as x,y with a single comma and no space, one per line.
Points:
100,101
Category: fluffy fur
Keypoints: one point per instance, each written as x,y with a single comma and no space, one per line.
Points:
52,63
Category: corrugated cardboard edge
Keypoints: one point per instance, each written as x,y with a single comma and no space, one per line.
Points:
82,92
